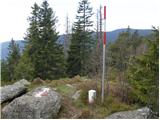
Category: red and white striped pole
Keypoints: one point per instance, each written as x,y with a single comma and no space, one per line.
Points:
104,49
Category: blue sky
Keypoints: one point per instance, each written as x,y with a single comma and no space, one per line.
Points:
139,14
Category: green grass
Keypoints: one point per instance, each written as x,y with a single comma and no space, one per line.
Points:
65,90
79,104
98,110
101,110
60,85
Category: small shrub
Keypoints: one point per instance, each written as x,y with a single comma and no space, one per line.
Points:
107,101
78,103
119,106
38,81
86,113
76,78
120,91
64,89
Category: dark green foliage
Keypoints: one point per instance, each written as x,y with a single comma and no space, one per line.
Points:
81,42
118,57
74,59
24,69
143,74
96,59
9,65
4,71
135,60
124,48
45,53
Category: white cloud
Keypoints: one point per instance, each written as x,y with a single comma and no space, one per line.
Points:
120,14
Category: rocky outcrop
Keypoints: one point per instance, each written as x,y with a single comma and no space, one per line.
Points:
142,113
42,102
11,91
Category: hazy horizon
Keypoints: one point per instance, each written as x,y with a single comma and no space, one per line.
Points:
64,34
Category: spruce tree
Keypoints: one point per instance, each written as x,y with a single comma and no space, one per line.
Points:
24,69
81,41
52,54
4,71
143,74
74,59
46,54
33,39
13,58
119,54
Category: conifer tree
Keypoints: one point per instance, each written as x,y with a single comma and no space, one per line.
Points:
119,54
81,41
4,70
52,53
143,74
33,39
13,58
74,59
46,54
24,69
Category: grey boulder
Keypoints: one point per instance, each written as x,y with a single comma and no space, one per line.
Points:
142,113
11,91
42,102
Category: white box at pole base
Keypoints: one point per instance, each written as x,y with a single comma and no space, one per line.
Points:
91,96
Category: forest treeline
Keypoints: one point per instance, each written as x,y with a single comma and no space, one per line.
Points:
132,60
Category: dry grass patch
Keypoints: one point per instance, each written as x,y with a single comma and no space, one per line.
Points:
68,110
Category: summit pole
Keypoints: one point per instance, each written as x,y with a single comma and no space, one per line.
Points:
104,49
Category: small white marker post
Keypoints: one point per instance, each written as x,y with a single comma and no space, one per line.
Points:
91,96
91,99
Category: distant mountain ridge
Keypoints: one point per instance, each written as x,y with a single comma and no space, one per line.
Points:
111,37
5,45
